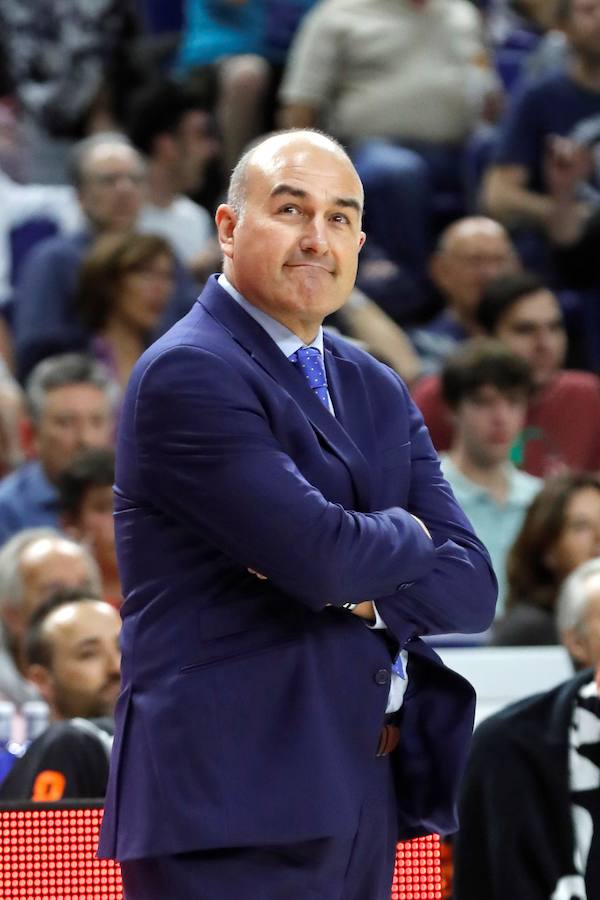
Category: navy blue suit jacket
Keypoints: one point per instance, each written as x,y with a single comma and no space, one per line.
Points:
250,710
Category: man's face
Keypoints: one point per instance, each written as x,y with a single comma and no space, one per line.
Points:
74,417
583,29
95,527
533,329
112,187
47,565
293,250
84,674
488,422
473,257
195,145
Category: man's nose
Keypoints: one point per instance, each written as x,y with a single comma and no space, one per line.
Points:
314,238
88,435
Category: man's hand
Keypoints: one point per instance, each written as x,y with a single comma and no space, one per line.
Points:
364,610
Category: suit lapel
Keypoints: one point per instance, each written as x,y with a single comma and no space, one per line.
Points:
345,384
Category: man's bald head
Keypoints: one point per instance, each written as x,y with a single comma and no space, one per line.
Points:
463,231
470,253
266,155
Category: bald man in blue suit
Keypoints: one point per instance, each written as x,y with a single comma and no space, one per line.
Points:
285,538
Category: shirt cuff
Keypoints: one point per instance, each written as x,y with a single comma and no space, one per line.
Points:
378,623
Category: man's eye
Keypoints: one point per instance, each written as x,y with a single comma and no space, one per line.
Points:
341,218
289,208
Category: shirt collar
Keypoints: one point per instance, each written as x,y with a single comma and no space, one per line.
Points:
472,491
286,340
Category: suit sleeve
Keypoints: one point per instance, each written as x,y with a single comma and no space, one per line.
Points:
207,457
459,591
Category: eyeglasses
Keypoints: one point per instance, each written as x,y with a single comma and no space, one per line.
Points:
111,179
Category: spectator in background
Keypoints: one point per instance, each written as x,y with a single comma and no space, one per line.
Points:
72,67
365,72
124,286
71,403
25,203
230,34
109,176
72,654
12,419
530,801
536,158
33,564
561,530
487,389
86,510
561,428
177,137
470,253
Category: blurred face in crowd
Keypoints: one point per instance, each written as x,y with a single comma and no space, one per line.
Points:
74,417
83,678
488,422
94,526
472,253
579,539
191,148
111,189
533,329
583,642
583,29
143,294
292,250
46,565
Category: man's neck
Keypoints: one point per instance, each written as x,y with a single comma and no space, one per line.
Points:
586,74
470,325
493,478
162,189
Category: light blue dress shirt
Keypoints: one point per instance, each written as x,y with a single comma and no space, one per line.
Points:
289,343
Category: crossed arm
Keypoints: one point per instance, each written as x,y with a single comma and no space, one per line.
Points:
217,467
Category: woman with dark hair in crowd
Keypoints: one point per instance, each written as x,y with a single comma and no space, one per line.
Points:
561,530
125,283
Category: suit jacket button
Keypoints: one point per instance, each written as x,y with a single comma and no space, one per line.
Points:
382,676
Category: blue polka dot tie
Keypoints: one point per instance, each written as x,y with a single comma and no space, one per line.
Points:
310,362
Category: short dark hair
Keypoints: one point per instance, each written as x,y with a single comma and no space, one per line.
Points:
563,11
483,361
502,293
158,109
38,650
94,467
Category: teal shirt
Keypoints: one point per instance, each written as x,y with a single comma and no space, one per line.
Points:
494,523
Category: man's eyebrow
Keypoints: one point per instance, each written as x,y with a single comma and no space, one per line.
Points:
344,202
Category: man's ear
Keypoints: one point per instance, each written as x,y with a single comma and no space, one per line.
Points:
436,269
576,645
27,437
226,220
41,677
70,528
